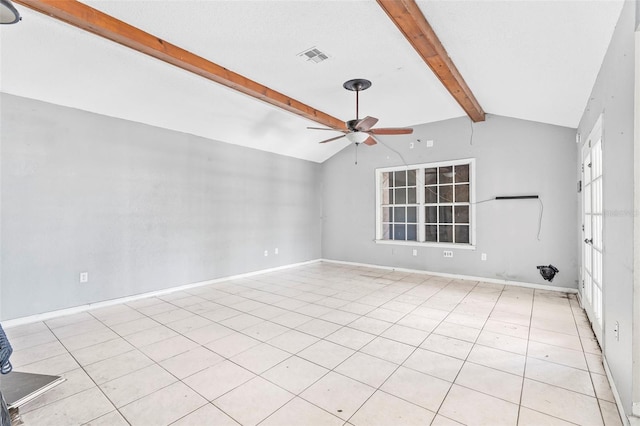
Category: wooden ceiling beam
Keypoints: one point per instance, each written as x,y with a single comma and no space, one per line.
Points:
92,20
409,19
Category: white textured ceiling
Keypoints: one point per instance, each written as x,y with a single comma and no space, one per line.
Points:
535,60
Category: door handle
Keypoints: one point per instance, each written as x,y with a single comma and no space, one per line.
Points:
588,240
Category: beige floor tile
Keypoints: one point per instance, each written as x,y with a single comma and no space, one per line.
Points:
168,348
522,319
206,415
293,341
610,413
75,382
408,335
557,354
370,325
389,350
490,381
383,409
163,406
430,313
337,394
594,363
510,329
602,387
495,358
291,319
339,317
260,358
265,331
102,351
357,308
474,408
456,331
530,417
150,336
36,354
300,412
295,374
253,401
113,418
434,364
208,333
366,369
318,328
387,315
25,330
188,324
220,314
268,312
559,375
326,354
444,421
135,326
566,405
242,321
590,345
419,322
126,389
569,341
172,316
190,362
467,320
418,388
447,346
351,338
69,320
503,342
218,380
35,339
117,366
74,410
232,344
79,341
53,366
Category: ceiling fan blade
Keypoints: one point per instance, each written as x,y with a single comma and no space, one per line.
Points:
370,141
392,131
332,139
366,123
327,128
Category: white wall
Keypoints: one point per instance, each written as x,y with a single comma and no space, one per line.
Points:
613,96
513,157
138,207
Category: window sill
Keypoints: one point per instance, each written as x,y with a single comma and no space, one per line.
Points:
430,245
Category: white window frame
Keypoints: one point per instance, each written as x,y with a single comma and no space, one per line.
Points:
421,204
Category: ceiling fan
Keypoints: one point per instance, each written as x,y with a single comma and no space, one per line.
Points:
360,130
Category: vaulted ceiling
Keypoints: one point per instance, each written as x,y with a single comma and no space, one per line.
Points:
535,60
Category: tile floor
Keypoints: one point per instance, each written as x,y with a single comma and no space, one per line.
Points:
323,344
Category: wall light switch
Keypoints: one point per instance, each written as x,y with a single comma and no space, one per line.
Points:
429,143
84,277
266,253
411,145
415,252
483,256
276,250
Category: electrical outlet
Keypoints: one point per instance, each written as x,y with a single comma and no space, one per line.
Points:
616,330
483,256
275,251
430,143
84,277
415,252
447,253
266,253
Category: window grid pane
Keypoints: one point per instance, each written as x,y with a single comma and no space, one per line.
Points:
443,203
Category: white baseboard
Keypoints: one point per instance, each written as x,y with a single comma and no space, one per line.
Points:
90,306
625,420
460,277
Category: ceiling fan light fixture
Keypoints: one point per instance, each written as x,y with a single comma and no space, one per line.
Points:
357,137
8,13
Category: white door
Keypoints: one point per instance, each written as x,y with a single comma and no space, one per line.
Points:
592,228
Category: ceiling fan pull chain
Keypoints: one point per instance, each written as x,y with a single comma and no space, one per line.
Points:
357,105
357,153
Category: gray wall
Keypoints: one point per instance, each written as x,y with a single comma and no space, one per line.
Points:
140,208
513,157
613,95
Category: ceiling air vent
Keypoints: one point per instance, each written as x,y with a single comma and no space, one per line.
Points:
314,55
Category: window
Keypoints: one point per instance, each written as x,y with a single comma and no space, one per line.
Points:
426,203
